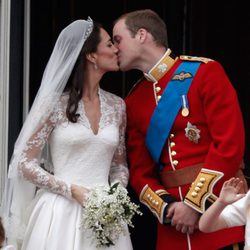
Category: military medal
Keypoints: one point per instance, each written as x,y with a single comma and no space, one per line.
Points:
192,133
185,109
185,112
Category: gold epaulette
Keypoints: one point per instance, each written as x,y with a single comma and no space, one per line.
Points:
201,189
195,59
154,202
135,85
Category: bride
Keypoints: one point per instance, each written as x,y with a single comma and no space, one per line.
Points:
72,140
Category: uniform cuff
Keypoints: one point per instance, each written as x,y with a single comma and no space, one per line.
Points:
154,202
201,189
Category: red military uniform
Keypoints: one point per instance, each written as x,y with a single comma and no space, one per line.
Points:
215,116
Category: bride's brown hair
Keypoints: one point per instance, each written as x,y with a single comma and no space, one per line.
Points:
75,83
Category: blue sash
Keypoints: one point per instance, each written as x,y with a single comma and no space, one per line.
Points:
168,108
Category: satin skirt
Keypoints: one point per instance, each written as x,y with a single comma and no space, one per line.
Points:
54,224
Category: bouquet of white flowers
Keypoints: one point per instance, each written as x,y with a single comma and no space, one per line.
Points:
108,211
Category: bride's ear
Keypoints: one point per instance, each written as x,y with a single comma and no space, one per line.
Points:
91,57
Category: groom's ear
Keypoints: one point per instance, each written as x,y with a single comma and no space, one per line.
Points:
142,34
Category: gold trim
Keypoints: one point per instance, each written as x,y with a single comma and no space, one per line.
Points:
161,192
195,59
161,67
152,200
204,183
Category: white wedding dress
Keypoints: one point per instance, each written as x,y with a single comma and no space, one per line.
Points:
79,157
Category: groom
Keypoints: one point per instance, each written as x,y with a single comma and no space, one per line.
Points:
185,133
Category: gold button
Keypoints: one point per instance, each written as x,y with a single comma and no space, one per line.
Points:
202,179
171,136
194,194
158,89
199,184
172,144
157,203
158,97
197,189
175,162
173,153
148,195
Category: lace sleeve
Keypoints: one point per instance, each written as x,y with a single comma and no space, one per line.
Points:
119,169
29,166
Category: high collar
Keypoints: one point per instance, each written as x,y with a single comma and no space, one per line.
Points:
161,67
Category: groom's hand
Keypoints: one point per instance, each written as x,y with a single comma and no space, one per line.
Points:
183,218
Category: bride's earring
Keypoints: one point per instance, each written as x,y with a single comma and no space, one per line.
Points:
95,66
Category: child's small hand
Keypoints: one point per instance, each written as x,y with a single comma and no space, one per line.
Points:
229,191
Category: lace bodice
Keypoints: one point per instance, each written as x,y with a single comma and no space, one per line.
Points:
78,155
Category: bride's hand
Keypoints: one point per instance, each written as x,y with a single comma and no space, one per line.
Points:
79,193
